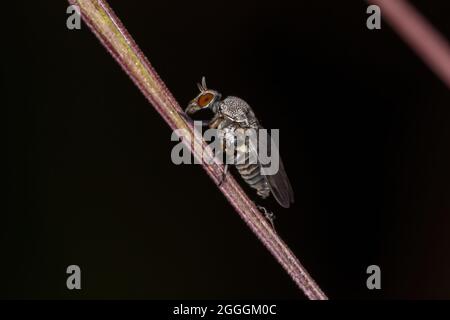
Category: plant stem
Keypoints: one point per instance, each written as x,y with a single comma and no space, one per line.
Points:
112,34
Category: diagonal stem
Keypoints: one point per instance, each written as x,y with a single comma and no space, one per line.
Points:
419,34
112,34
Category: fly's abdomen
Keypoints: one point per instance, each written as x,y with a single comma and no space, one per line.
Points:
251,173
244,158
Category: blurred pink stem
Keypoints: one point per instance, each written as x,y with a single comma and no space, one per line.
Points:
419,34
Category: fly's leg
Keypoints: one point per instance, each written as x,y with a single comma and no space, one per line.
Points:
215,121
205,123
224,175
268,215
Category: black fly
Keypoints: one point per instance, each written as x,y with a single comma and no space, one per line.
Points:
231,114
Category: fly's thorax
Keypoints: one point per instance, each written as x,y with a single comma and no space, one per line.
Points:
234,108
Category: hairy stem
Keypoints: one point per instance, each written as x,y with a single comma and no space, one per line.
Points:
112,34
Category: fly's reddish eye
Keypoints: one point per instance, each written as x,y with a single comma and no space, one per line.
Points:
204,99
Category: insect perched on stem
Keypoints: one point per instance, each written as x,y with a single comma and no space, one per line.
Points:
230,115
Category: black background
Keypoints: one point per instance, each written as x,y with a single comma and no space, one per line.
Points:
364,129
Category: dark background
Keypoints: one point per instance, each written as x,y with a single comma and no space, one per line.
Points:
364,124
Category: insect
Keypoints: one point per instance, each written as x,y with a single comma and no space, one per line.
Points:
231,114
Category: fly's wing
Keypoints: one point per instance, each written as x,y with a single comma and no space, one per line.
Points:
281,187
279,182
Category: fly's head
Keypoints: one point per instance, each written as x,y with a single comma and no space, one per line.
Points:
204,100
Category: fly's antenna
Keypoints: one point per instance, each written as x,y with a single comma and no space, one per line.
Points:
202,86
